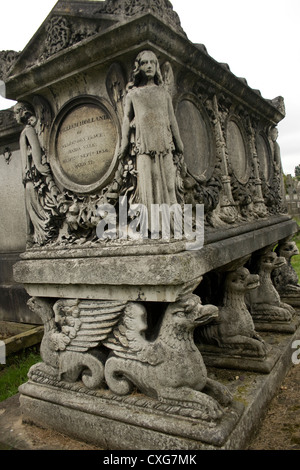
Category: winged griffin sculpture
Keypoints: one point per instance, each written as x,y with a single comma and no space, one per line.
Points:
106,342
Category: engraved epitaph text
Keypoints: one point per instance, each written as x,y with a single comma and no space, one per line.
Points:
85,144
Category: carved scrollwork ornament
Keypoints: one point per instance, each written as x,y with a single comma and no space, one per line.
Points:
61,33
58,35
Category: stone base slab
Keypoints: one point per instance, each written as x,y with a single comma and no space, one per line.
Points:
292,299
127,423
226,358
121,423
279,327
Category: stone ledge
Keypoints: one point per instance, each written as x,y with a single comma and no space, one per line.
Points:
117,424
101,277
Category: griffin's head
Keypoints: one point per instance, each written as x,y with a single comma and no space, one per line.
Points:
270,261
190,313
41,307
241,281
288,249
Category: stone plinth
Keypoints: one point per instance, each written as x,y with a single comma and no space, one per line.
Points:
115,423
122,115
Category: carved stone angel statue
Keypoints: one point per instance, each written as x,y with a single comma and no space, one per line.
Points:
40,189
150,132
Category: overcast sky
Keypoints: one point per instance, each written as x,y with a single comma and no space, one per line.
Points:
258,39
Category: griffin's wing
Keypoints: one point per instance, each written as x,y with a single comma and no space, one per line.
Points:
86,323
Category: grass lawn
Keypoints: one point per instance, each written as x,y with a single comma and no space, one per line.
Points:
14,372
296,259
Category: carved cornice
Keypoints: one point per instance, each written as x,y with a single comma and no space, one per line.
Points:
62,33
129,8
41,59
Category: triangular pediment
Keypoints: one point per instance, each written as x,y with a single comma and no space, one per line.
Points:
73,21
68,24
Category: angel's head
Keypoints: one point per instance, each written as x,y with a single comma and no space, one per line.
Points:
146,66
24,113
273,133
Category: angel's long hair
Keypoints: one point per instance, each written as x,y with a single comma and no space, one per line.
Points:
136,73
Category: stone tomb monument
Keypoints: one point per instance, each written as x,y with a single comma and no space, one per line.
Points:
154,204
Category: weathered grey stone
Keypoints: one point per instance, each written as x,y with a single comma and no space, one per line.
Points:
237,151
266,307
225,358
12,229
13,297
231,340
196,133
84,145
285,278
111,124
169,369
144,277
235,327
108,421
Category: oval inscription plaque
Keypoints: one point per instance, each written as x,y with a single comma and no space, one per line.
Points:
264,156
196,137
86,138
237,152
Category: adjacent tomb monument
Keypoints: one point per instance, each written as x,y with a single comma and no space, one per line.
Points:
153,198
